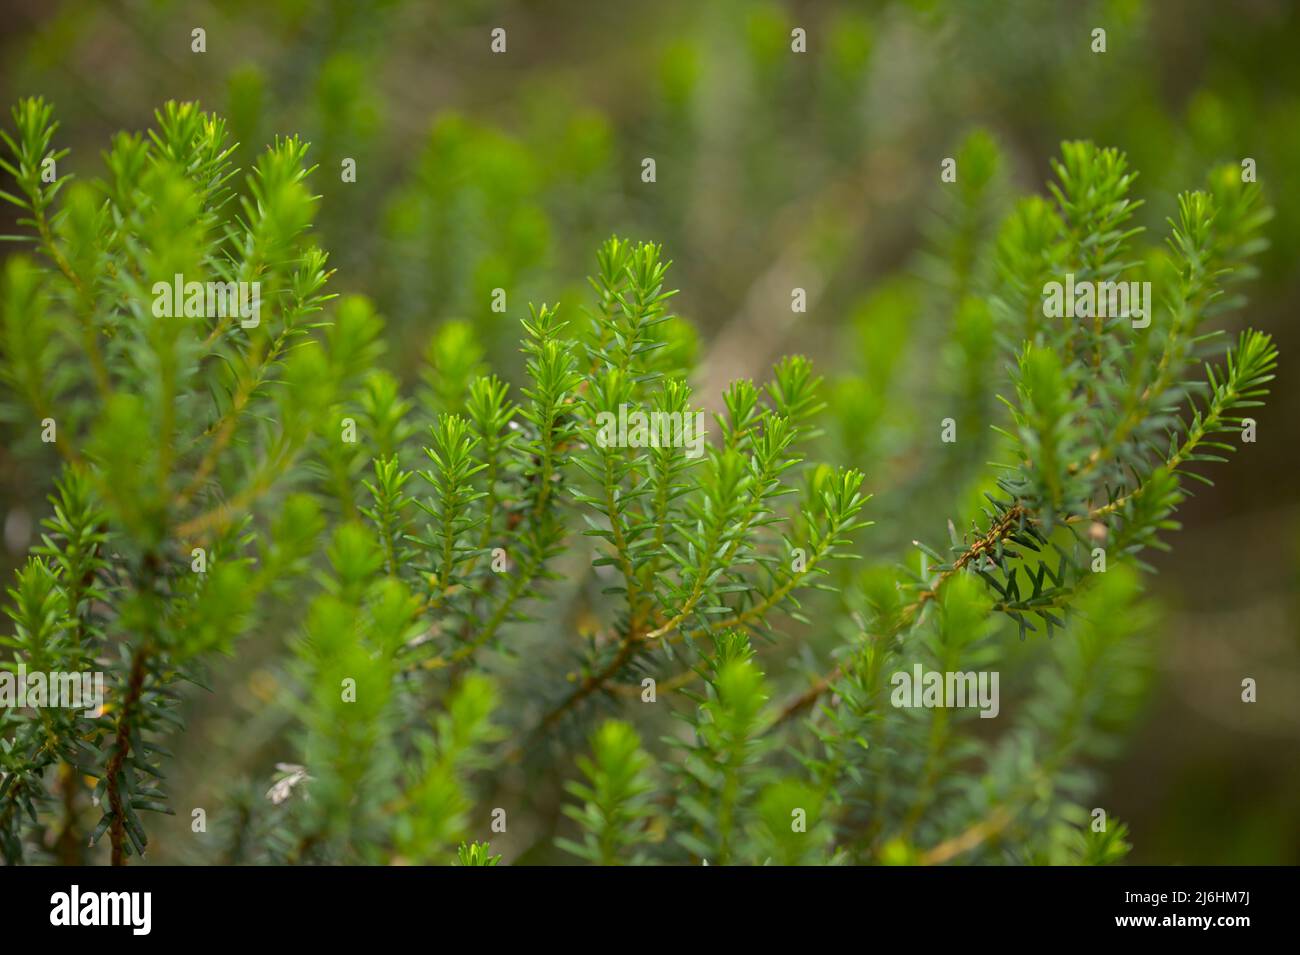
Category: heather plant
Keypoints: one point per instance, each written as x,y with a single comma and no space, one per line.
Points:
216,470
174,434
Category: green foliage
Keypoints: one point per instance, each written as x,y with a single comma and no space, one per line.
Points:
476,853
207,462
175,433
615,804
718,781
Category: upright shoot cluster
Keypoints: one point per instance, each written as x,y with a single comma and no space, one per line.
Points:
223,463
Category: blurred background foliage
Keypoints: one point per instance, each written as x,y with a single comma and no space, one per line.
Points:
478,171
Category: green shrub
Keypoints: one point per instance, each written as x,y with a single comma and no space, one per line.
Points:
206,462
